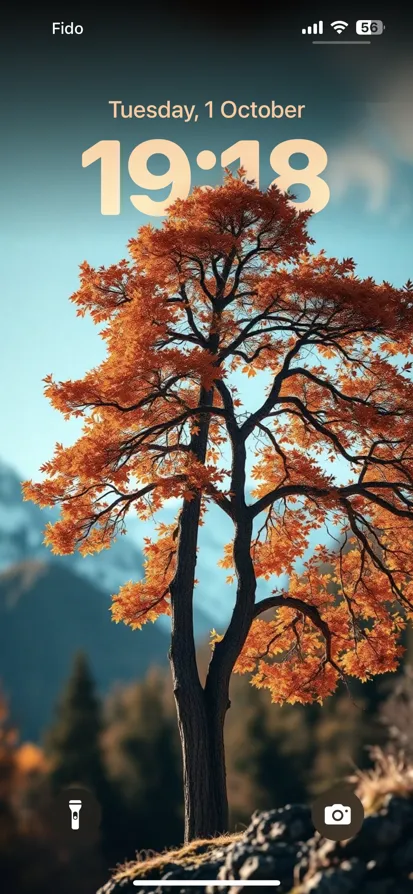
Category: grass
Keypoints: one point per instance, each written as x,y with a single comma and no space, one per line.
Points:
195,853
392,774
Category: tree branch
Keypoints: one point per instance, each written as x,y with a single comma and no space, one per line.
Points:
309,611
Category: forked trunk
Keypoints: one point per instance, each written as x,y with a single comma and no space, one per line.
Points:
200,719
201,712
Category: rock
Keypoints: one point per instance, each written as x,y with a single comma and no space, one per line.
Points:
291,823
282,844
258,867
383,829
402,857
346,879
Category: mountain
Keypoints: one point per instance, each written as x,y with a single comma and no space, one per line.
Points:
51,606
47,613
22,527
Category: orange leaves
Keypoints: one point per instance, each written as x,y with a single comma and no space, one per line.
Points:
137,603
390,347
288,661
215,637
218,222
44,494
281,549
227,561
301,656
103,291
379,653
72,532
30,760
226,285
277,551
297,466
143,601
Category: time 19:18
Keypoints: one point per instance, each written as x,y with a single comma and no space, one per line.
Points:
178,175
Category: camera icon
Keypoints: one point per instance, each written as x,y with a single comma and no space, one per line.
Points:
337,815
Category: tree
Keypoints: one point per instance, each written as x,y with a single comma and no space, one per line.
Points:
73,742
229,284
9,830
278,754
269,752
141,754
27,859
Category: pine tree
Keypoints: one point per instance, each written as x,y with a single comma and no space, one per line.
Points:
73,743
141,752
269,752
290,753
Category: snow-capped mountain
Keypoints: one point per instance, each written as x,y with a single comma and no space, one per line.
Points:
22,527
21,537
52,606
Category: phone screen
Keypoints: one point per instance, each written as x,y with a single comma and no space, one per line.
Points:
206,459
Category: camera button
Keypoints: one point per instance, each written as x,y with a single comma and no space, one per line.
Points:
338,813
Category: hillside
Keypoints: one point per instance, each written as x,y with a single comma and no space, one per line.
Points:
47,613
282,844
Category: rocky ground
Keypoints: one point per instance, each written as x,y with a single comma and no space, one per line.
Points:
281,844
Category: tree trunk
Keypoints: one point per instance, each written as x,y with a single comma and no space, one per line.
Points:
202,741
201,712
200,718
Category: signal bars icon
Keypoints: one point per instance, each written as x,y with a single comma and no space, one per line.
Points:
317,28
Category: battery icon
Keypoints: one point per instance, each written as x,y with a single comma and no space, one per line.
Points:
367,26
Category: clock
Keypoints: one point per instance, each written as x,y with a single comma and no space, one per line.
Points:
178,175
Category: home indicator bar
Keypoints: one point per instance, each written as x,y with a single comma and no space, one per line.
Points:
217,883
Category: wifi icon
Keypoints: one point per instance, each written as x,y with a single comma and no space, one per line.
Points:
339,26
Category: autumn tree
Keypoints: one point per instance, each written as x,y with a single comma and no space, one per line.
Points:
229,284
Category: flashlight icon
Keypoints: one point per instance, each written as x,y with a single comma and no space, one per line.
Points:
75,807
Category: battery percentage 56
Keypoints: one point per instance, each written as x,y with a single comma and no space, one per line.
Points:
367,26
